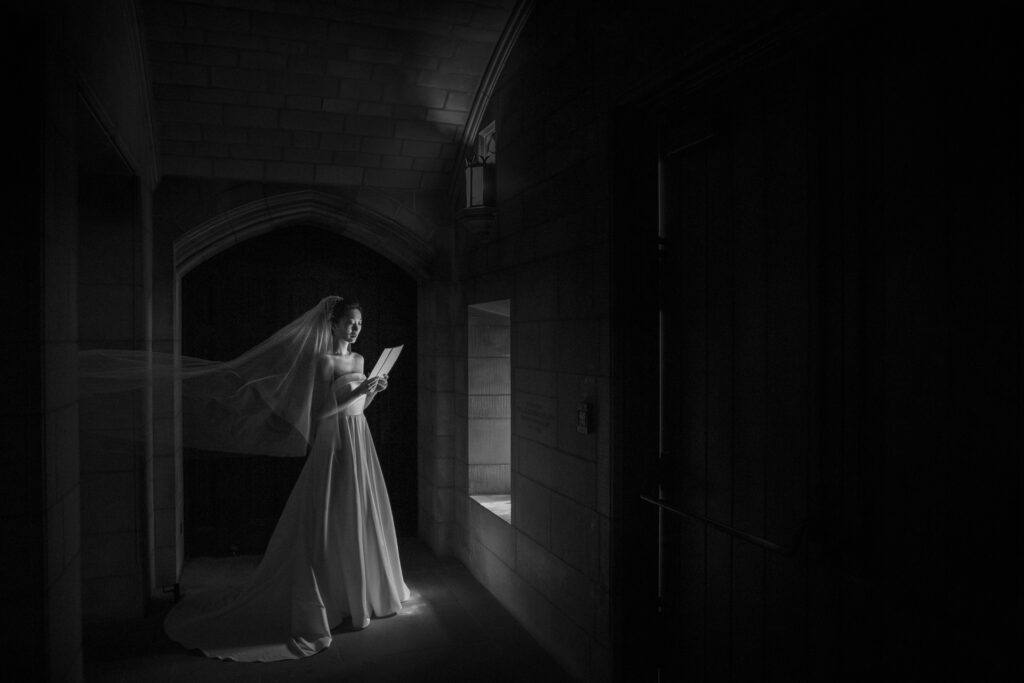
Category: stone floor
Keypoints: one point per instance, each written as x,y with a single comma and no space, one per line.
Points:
451,630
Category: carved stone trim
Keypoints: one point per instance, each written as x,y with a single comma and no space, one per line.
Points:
146,168
489,80
309,207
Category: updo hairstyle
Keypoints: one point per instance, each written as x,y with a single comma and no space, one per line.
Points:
342,306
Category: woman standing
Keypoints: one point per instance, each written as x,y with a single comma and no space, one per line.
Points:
333,553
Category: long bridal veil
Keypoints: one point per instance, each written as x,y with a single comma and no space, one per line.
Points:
260,403
333,554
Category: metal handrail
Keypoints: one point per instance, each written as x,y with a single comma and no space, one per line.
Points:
785,551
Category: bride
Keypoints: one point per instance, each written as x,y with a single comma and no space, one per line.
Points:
333,554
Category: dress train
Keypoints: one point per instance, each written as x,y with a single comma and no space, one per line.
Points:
333,554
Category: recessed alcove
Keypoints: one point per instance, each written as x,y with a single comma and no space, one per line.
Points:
489,411
239,297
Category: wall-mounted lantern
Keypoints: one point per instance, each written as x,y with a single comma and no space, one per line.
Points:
479,214
479,182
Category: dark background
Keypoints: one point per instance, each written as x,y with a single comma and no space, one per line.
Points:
242,296
839,278
866,310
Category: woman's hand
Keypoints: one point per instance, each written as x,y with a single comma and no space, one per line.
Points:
374,385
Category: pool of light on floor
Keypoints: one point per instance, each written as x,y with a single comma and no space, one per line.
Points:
498,503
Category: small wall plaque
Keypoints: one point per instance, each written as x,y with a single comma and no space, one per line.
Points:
584,418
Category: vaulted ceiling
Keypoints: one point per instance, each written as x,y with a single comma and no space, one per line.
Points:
366,93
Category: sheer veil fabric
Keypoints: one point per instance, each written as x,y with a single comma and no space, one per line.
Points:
259,403
333,553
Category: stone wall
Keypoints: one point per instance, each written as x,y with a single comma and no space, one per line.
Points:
115,443
436,424
313,93
553,108
92,74
487,403
550,566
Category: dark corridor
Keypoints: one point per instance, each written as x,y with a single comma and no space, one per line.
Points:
817,207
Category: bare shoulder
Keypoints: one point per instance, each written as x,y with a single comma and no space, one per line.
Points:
343,365
327,365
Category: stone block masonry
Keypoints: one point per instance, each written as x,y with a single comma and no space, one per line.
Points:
547,259
265,78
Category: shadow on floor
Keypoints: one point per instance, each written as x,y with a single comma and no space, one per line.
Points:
451,629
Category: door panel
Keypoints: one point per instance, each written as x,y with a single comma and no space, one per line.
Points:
737,291
832,251
737,282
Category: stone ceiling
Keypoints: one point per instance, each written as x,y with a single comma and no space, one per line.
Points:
344,93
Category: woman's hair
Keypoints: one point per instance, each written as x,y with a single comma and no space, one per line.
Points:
341,306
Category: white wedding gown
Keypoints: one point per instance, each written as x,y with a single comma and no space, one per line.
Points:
333,555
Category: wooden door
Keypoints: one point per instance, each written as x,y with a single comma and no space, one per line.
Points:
722,440
816,262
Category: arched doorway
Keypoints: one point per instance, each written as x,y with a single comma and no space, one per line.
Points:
240,296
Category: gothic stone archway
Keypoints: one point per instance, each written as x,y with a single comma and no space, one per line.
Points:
388,238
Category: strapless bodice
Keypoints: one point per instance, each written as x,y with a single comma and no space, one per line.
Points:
343,384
